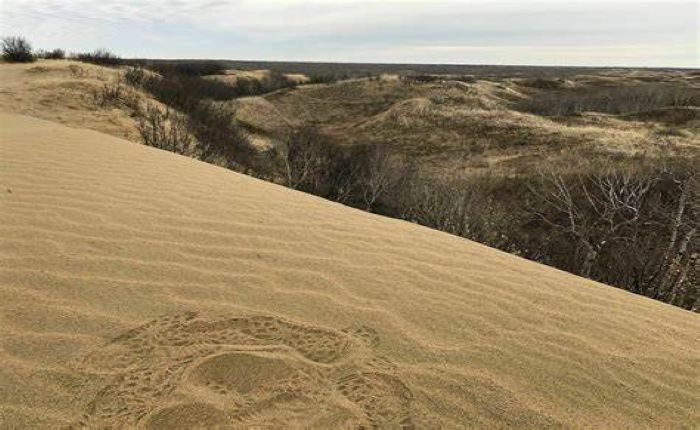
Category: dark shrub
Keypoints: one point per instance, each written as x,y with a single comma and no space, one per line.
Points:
615,100
197,68
213,89
101,57
323,78
17,50
167,130
219,136
544,83
55,54
135,76
469,79
422,78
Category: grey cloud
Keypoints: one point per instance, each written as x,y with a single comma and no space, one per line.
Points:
395,29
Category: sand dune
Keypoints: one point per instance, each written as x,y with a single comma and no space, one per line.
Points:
143,289
63,91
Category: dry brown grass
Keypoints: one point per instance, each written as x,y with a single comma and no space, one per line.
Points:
447,123
64,91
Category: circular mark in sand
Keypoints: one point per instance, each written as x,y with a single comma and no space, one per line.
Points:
195,370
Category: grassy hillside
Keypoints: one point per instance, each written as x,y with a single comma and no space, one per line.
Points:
490,124
139,288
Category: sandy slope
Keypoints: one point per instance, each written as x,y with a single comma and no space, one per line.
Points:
140,287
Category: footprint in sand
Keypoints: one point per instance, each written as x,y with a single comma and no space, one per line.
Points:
189,370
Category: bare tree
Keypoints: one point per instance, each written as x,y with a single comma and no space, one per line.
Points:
592,209
464,207
680,257
636,229
16,50
306,160
378,176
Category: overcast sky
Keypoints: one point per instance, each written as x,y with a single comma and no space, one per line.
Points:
542,32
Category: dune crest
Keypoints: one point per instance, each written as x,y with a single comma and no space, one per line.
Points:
143,289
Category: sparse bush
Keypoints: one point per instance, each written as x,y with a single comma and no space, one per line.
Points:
358,176
213,89
191,68
108,94
422,78
202,128
466,207
307,161
672,131
166,130
116,94
17,50
323,78
135,76
276,80
101,57
379,176
220,137
180,84
55,54
544,83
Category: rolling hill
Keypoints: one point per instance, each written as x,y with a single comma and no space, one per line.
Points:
479,125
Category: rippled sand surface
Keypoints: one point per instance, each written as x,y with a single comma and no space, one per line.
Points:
143,289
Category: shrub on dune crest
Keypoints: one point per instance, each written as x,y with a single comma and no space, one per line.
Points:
101,57
54,54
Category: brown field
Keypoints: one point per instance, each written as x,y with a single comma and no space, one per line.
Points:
143,289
